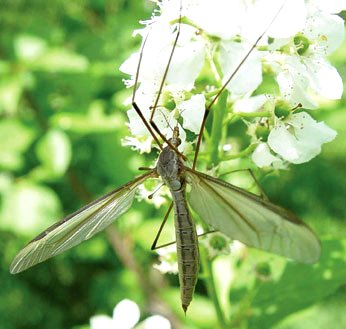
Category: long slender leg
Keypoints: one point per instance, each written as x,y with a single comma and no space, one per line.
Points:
209,107
170,243
153,246
262,193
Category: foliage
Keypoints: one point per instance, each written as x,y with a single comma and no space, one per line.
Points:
62,121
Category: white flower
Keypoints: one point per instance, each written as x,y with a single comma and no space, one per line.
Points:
262,157
216,244
231,55
155,322
304,72
168,259
192,111
325,32
299,34
226,24
250,104
140,144
289,16
330,6
299,138
126,315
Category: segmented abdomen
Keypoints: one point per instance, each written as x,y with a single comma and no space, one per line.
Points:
187,248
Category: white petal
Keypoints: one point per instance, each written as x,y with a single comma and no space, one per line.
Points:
192,112
331,6
129,66
126,314
283,143
324,78
186,65
250,104
326,30
262,156
231,55
101,322
140,144
306,128
287,21
156,322
294,88
135,124
304,142
225,24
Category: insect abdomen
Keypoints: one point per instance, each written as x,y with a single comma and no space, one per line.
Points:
187,248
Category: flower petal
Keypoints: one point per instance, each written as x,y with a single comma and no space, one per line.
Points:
156,322
324,78
126,314
101,322
304,142
231,55
192,112
262,156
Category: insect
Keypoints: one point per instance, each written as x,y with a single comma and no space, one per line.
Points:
235,212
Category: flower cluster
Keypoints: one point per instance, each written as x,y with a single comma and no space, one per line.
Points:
290,39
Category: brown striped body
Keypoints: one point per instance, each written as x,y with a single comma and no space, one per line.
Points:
170,168
187,247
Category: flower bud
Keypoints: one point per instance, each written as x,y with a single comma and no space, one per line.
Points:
282,109
301,43
262,132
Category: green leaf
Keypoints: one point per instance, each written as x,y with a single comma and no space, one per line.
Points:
15,138
300,286
54,151
96,121
28,208
328,314
29,47
61,60
10,93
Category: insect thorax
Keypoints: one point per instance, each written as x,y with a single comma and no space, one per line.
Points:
169,167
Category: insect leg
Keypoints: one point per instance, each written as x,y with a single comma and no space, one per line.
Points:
153,246
173,242
250,171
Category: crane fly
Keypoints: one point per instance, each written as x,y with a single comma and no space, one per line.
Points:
238,214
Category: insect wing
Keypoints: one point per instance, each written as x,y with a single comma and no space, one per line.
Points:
77,227
245,217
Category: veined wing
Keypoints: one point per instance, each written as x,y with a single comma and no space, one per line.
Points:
245,217
79,226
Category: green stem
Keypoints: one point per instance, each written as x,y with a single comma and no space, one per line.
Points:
216,130
241,154
245,305
210,285
263,114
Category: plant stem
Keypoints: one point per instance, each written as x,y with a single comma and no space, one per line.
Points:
241,154
216,130
210,285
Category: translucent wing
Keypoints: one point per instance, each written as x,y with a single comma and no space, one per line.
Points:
77,227
247,218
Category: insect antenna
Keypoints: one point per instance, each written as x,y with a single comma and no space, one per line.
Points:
209,107
133,101
151,125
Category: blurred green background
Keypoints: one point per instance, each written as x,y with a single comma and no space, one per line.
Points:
61,125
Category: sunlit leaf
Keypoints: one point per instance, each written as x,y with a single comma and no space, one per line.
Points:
28,208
